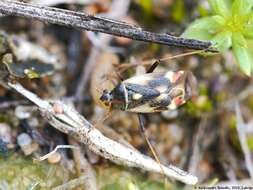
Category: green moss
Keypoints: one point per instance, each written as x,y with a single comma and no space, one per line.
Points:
202,105
117,178
221,97
17,172
232,122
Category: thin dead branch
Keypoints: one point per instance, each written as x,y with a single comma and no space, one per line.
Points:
73,124
83,166
245,93
56,2
241,130
197,153
97,24
55,150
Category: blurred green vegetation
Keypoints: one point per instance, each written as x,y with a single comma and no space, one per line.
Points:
230,25
18,172
118,178
178,11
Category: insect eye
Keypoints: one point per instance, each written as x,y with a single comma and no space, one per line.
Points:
106,96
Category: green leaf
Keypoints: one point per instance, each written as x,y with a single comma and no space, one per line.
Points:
239,40
248,29
242,7
204,28
250,50
203,11
220,7
222,41
250,46
241,53
248,32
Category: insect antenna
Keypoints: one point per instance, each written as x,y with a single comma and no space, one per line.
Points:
153,66
110,78
97,89
143,131
107,115
183,55
155,63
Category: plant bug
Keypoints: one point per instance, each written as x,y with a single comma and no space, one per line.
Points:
149,93
152,92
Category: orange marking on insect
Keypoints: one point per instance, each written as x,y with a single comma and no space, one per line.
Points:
178,101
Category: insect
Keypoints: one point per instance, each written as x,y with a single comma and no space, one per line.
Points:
151,92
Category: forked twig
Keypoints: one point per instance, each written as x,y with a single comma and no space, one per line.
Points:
73,124
55,150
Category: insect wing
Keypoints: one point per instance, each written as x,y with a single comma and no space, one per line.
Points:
156,92
145,108
144,79
139,95
141,92
144,89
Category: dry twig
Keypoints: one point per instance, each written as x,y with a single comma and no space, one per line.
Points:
73,124
241,130
55,2
55,150
197,152
83,167
97,24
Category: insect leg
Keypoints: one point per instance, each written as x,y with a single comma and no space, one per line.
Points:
153,66
119,76
112,77
157,62
102,120
143,130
